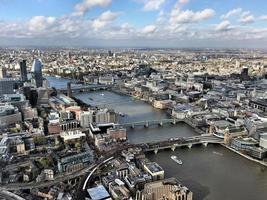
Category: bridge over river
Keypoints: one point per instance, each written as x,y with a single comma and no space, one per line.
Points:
173,143
85,88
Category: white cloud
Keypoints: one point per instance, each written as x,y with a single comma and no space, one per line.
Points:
223,26
231,13
246,18
82,7
104,19
40,23
264,17
150,29
189,16
150,5
183,1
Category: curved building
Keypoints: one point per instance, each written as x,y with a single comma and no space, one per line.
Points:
37,72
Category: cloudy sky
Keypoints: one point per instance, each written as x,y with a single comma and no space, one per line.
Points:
134,23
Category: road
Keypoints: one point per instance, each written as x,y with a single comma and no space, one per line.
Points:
6,195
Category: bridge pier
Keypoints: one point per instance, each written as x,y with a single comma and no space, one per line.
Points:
205,144
189,146
156,151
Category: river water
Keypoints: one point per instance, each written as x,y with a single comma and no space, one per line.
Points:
212,172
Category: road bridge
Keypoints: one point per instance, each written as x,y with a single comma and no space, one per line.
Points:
181,142
148,123
85,88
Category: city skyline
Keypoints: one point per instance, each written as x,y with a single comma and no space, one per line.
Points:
133,23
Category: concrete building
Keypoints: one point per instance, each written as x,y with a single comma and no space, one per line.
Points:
74,162
20,146
154,170
260,104
7,86
72,135
166,189
163,104
101,116
9,115
263,140
117,133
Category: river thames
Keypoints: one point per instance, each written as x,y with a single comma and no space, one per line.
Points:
212,172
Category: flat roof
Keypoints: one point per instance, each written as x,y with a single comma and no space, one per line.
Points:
98,193
153,167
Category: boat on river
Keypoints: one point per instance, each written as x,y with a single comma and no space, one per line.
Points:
175,159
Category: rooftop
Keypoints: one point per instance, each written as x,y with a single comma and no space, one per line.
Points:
98,193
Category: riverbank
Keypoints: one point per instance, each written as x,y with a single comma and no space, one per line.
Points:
245,156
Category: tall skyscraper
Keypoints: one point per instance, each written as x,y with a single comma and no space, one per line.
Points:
37,72
69,92
2,72
23,71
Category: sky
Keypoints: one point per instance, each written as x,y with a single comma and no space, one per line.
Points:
134,23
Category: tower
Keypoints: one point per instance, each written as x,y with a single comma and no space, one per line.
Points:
69,91
37,72
3,73
23,71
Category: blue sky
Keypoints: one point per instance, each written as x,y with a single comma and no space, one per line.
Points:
155,23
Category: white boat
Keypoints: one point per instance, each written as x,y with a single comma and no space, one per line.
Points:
175,159
217,153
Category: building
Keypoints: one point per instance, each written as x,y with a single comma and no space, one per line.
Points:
263,140
154,170
7,86
260,104
118,190
20,145
3,71
163,104
98,193
74,162
69,91
9,115
37,72
72,135
101,116
117,133
23,71
244,74
43,96
167,189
